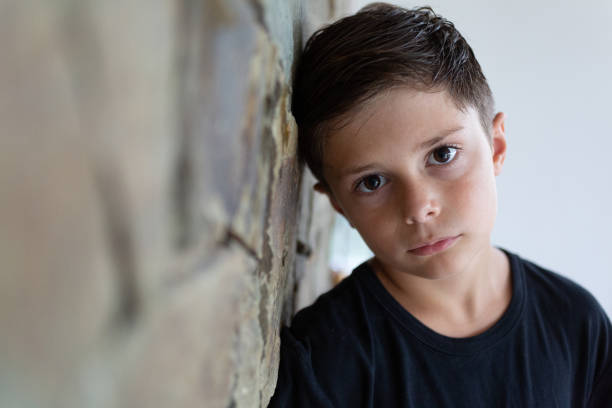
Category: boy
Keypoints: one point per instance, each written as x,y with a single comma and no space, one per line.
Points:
396,121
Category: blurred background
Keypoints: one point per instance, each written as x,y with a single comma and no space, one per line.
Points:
156,228
548,64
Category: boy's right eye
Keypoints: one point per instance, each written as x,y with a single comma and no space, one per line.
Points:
371,183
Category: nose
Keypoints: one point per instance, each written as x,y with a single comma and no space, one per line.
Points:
419,204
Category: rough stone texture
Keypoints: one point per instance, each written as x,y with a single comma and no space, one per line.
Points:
156,226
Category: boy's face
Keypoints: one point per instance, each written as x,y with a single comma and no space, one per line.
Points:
410,169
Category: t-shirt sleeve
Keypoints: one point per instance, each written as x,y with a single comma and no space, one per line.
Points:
297,385
601,395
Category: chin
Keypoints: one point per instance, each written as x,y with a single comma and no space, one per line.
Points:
437,266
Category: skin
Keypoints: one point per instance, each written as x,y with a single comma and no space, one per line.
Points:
389,174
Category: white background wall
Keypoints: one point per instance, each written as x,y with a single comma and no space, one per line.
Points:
549,65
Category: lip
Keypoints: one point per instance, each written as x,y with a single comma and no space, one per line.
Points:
433,247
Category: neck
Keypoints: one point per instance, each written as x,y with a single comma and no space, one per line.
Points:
464,296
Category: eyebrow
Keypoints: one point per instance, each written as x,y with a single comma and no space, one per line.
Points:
425,145
441,136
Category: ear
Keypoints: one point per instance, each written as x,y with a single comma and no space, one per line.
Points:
498,142
319,187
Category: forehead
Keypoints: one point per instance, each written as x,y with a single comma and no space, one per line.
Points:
403,106
400,117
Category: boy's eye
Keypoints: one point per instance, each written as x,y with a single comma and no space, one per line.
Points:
442,155
370,183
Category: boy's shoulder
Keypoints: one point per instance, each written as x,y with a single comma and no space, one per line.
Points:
326,354
555,292
333,312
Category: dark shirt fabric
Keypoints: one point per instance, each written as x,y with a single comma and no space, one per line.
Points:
356,346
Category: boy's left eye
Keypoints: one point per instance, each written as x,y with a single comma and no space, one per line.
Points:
442,155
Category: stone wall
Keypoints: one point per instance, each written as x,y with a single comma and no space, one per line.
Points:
156,228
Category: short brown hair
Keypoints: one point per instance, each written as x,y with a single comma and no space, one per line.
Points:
381,47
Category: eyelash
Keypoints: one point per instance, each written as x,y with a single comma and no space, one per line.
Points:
456,147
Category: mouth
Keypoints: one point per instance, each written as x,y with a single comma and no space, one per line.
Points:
435,246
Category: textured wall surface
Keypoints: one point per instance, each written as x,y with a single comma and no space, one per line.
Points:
156,226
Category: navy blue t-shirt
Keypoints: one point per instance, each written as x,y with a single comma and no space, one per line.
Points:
356,346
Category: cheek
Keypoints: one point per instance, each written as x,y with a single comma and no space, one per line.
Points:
366,211
373,224
478,196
